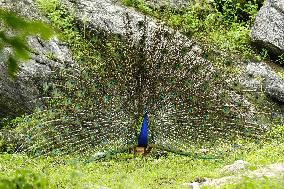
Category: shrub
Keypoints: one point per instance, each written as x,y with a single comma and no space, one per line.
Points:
24,179
238,10
17,41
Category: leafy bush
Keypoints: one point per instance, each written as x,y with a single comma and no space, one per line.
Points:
238,10
13,34
24,179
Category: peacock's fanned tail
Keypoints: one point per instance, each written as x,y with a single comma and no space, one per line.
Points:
92,106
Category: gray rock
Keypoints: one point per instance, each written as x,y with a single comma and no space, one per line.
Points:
273,170
25,8
98,155
254,75
236,167
270,171
194,185
176,4
107,15
274,87
268,28
19,95
259,76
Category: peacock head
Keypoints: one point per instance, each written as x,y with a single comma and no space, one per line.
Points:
146,111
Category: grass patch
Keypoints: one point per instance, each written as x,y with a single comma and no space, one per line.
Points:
121,171
128,171
260,183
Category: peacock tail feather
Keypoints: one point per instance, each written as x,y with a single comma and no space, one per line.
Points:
94,105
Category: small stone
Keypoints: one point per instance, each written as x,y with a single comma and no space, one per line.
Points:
236,167
99,155
194,185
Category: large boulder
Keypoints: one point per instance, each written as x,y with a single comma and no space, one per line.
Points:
96,16
20,95
268,28
258,76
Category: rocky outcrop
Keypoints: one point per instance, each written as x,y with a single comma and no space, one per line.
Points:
110,16
268,28
259,76
20,95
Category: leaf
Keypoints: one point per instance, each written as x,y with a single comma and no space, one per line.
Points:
12,66
41,29
18,43
11,20
20,48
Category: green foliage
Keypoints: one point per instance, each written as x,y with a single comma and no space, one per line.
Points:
24,179
13,34
222,24
125,170
280,59
238,10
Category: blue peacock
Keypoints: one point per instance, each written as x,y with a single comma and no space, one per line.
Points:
143,135
188,100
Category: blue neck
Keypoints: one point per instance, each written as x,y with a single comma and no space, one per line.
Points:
143,136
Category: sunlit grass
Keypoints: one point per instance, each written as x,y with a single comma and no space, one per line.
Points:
128,171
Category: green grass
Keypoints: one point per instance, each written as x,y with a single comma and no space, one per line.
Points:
128,171
123,171
259,183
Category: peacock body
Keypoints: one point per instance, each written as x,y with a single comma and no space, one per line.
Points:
143,136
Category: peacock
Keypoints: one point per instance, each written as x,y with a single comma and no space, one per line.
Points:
143,136
96,103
